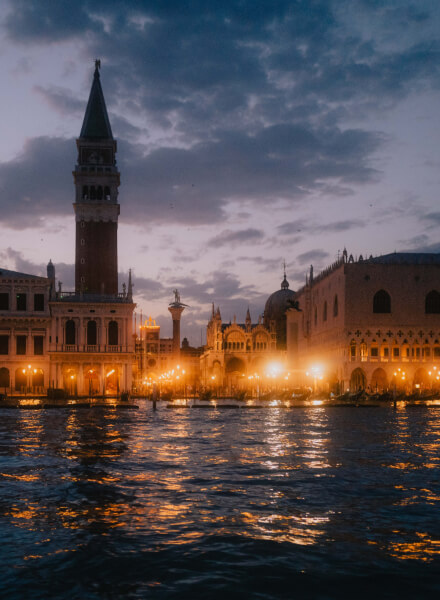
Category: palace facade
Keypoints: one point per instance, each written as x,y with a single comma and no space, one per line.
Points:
371,323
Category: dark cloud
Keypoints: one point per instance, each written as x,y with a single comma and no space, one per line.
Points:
312,255
303,226
245,68
37,183
62,100
250,100
236,238
16,261
432,219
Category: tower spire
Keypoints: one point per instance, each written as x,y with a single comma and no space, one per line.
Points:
284,283
96,124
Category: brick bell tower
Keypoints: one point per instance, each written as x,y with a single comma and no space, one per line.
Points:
96,205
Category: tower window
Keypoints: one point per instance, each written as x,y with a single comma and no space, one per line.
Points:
21,301
83,224
83,242
4,344
432,303
38,302
113,333
381,302
335,307
4,301
38,345
83,279
83,261
21,344
70,333
91,333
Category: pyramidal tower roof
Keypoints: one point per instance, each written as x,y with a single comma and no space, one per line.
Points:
96,124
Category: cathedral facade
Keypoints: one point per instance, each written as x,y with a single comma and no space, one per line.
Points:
247,356
368,324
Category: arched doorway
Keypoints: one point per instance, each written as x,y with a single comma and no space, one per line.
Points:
358,380
20,380
91,380
111,385
38,379
71,381
4,377
379,380
235,371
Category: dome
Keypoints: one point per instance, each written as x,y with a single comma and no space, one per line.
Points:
275,310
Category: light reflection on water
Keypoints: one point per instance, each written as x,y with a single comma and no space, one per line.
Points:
320,491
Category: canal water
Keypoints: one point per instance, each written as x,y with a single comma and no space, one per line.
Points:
318,502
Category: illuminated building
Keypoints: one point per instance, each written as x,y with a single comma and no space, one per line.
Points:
236,352
91,348
371,323
24,331
156,356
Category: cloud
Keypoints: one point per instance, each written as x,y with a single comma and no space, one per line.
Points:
303,226
16,261
62,100
259,119
37,183
236,238
312,255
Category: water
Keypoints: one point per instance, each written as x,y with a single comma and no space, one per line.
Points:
325,502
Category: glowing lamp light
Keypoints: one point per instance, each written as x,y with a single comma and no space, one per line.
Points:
273,369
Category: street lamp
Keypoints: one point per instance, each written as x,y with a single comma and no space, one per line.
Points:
28,372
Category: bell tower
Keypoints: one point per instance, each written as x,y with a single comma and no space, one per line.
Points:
97,179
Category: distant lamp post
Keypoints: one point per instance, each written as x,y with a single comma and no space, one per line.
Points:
72,384
90,381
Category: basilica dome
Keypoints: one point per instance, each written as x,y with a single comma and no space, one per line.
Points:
275,310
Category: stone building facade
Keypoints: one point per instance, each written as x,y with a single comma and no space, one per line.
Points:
372,323
24,332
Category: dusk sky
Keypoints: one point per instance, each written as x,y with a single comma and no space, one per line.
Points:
248,132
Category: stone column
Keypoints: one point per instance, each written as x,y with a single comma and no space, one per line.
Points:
102,375
80,381
176,311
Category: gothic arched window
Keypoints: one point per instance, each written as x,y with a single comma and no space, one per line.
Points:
381,302
91,333
70,332
324,312
316,316
432,303
113,333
